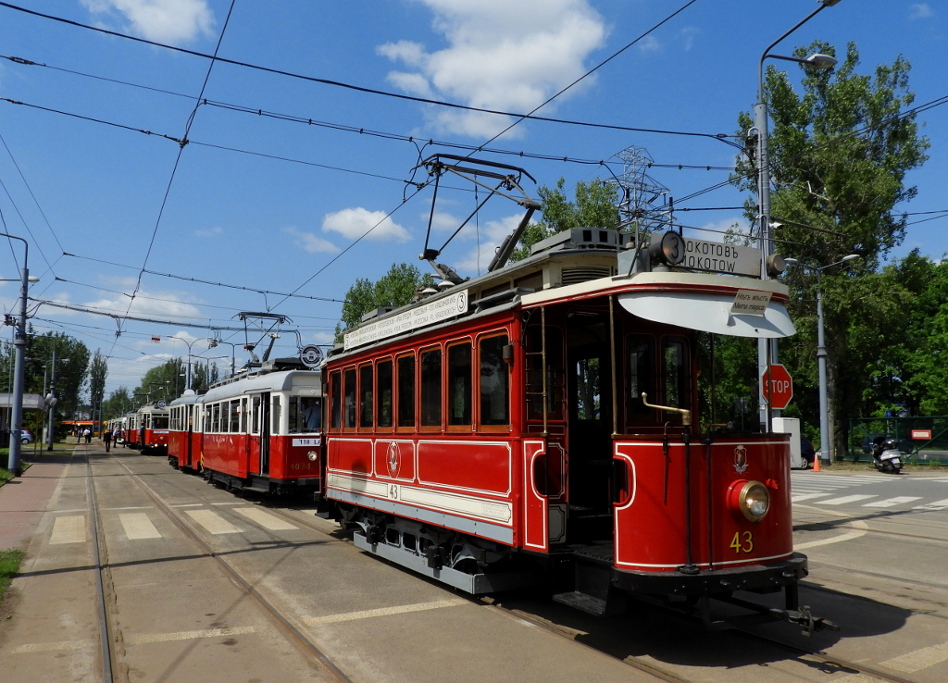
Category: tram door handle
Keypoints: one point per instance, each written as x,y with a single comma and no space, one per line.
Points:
620,482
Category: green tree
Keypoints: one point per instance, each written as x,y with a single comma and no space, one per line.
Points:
396,288
98,371
596,206
117,404
839,153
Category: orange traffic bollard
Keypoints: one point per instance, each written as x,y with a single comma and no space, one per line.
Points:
816,462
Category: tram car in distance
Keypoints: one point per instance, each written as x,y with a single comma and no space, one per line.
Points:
540,419
259,430
147,429
184,441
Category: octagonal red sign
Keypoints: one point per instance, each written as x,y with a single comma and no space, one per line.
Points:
777,386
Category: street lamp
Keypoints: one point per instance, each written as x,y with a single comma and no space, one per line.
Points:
212,342
767,348
821,348
189,344
51,402
19,343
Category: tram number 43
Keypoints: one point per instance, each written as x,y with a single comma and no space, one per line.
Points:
743,542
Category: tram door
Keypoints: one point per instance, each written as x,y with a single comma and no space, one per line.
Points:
264,430
589,388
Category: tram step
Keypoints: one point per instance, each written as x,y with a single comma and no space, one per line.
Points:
582,601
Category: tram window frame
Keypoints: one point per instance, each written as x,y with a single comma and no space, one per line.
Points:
276,414
335,399
406,412
255,415
682,395
635,410
385,394
555,372
460,385
233,426
349,396
431,388
366,394
484,403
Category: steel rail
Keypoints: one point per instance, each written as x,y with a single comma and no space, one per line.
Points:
294,634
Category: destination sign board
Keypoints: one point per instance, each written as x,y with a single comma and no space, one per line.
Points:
426,314
718,257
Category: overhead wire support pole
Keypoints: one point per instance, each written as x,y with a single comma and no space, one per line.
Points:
19,345
767,348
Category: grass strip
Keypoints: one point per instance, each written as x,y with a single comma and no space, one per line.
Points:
9,566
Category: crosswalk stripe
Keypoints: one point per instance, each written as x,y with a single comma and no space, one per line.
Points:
937,505
265,519
212,522
138,527
846,499
892,502
911,662
68,529
806,496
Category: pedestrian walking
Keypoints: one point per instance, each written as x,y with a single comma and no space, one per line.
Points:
88,434
107,438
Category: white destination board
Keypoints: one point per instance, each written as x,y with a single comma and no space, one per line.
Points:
421,316
718,257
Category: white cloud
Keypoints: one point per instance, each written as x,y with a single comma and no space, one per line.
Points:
649,44
164,21
354,223
921,10
309,242
209,232
687,36
490,236
501,55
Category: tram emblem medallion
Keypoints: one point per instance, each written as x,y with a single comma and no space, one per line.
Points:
394,459
740,459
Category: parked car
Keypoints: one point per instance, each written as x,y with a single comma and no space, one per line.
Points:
26,436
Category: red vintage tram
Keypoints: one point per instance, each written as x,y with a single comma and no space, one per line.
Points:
147,429
259,430
542,415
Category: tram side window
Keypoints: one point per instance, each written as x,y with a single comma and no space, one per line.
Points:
459,384
295,415
677,374
275,416
406,391
640,375
494,382
335,397
216,417
384,394
349,398
234,426
365,396
431,388
255,417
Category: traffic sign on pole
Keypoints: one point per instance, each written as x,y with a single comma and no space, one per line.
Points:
777,386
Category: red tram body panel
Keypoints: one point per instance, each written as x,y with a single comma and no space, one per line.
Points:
543,413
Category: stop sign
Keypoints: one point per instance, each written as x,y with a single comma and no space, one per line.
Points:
777,386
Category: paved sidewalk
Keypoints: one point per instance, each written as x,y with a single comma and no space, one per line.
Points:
24,500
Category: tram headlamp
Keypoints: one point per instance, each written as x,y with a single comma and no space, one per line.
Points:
312,455
751,498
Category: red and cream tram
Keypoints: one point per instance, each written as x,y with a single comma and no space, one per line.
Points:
258,430
545,412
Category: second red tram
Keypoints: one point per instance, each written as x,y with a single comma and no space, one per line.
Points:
544,416
258,430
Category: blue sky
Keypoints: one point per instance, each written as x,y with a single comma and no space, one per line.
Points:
259,204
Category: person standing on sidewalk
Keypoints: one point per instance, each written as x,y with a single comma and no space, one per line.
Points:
107,438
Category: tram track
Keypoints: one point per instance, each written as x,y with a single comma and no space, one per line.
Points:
290,631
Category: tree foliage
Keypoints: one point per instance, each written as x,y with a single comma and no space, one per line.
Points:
596,205
840,149
396,288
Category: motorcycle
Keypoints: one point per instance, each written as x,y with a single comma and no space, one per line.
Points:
886,455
